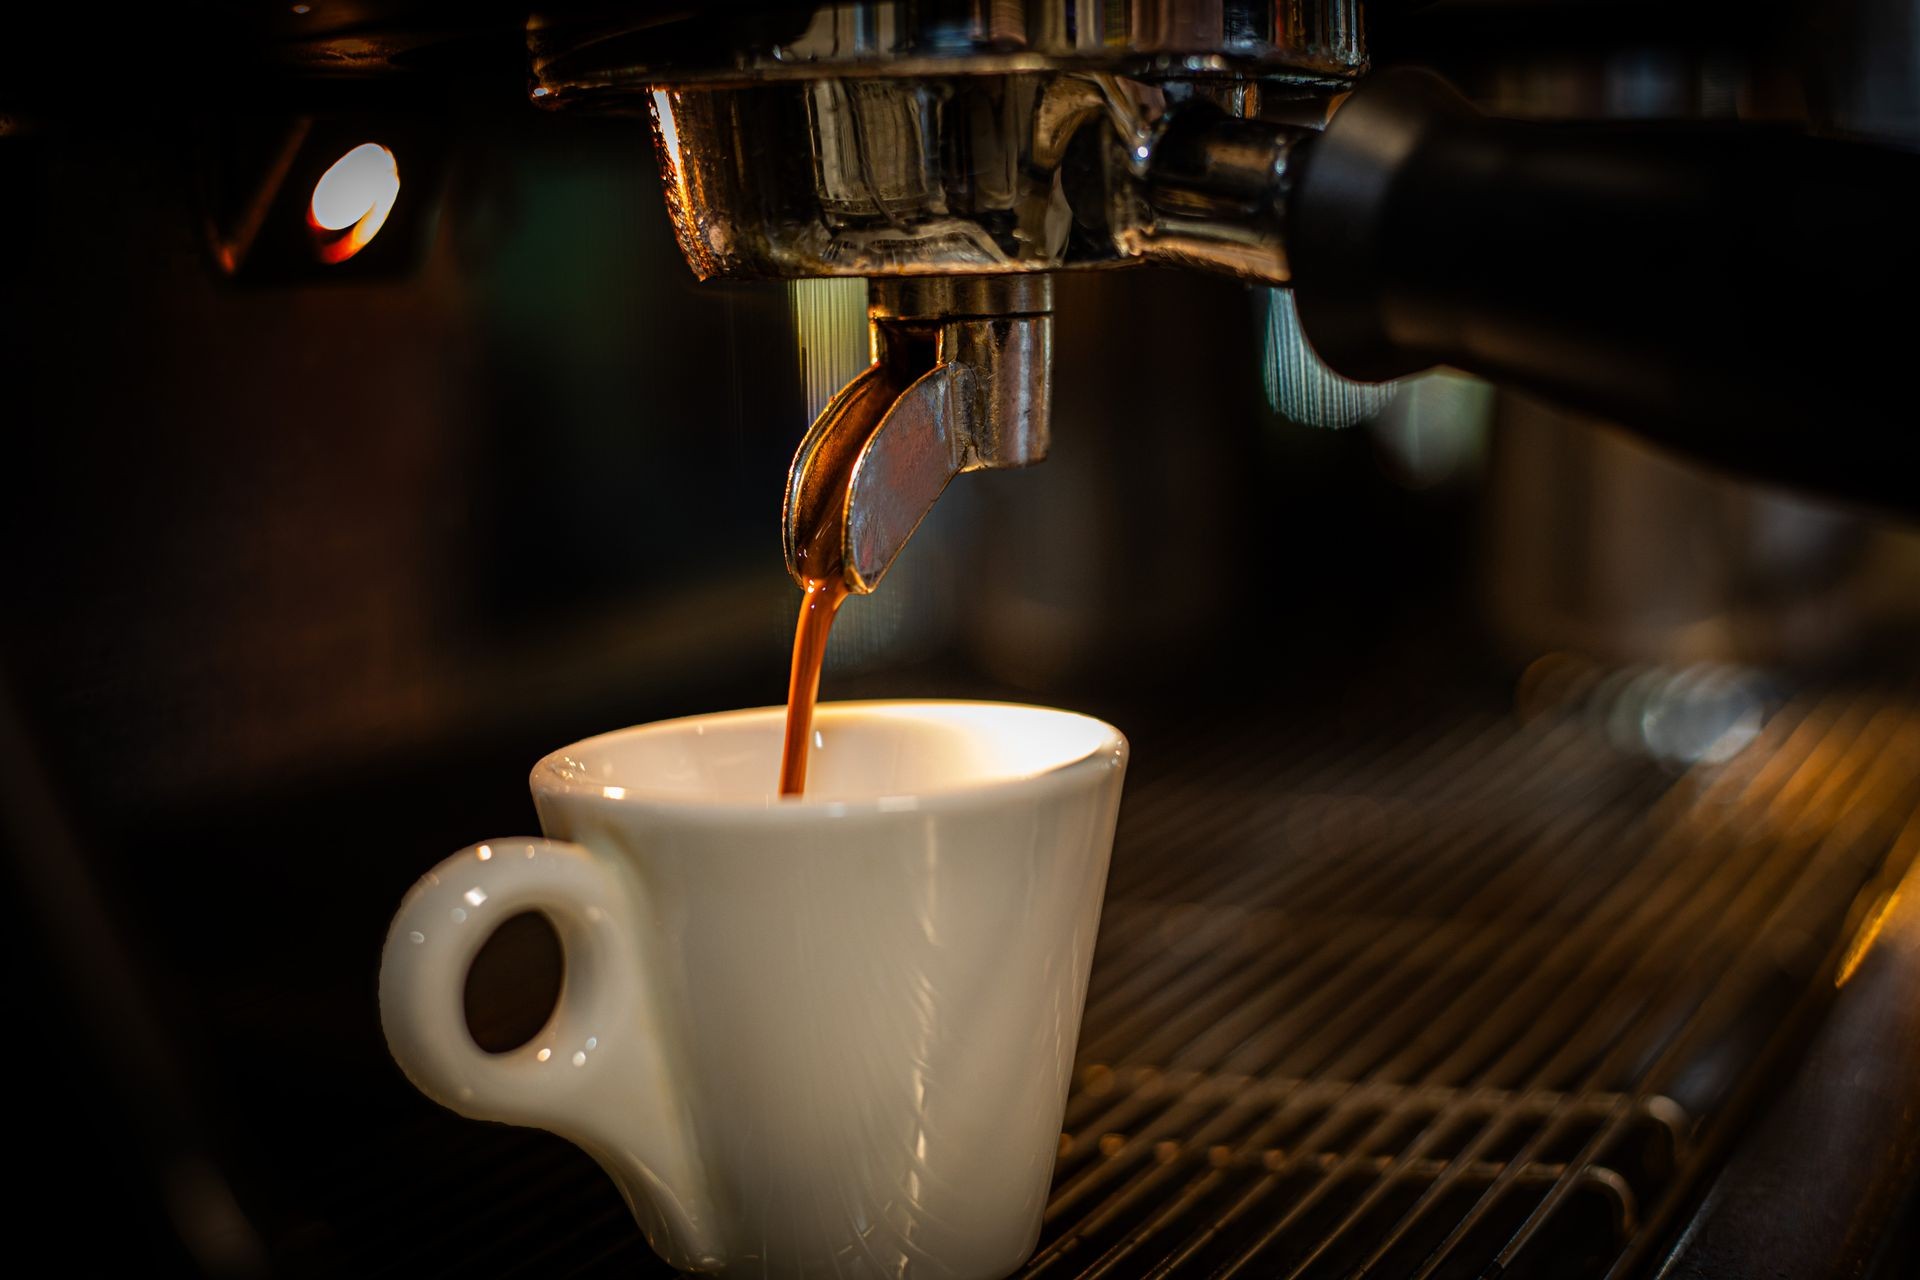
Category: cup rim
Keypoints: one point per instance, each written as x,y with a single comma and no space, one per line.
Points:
551,778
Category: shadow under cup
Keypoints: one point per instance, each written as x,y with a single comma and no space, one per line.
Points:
817,1036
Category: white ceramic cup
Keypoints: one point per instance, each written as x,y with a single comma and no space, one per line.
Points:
827,1036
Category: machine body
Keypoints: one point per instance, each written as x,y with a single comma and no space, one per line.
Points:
1719,288
950,155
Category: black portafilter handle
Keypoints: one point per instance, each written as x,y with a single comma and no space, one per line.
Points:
1743,294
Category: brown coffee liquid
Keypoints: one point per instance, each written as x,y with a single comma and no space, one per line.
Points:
821,562
817,609
819,545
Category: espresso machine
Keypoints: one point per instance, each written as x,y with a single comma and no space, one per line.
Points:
956,156
1517,874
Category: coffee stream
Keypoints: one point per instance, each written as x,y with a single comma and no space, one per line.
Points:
821,602
822,564
820,543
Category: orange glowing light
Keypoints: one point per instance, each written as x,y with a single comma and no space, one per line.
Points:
351,201
1863,940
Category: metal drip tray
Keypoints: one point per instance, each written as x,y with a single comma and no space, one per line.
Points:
1227,1198
1485,998
1482,1001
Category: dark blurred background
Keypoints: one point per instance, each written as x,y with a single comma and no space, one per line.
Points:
305,568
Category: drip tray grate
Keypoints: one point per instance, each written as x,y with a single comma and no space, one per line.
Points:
1482,1001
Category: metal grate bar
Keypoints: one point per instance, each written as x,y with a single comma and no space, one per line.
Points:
1175,975
1844,858
1584,932
1439,1031
1426,859
1262,1050
1631,985
1194,816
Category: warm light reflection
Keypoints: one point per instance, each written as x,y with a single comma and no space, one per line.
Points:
680,200
1863,940
351,201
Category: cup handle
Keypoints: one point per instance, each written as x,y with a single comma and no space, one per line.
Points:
597,1073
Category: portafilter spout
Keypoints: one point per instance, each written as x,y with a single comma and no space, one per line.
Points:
960,381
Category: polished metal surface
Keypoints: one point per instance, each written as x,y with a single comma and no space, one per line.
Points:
940,297
895,141
890,139
1851,1153
611,53
1486,1002
962,175
960,381
1211,194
